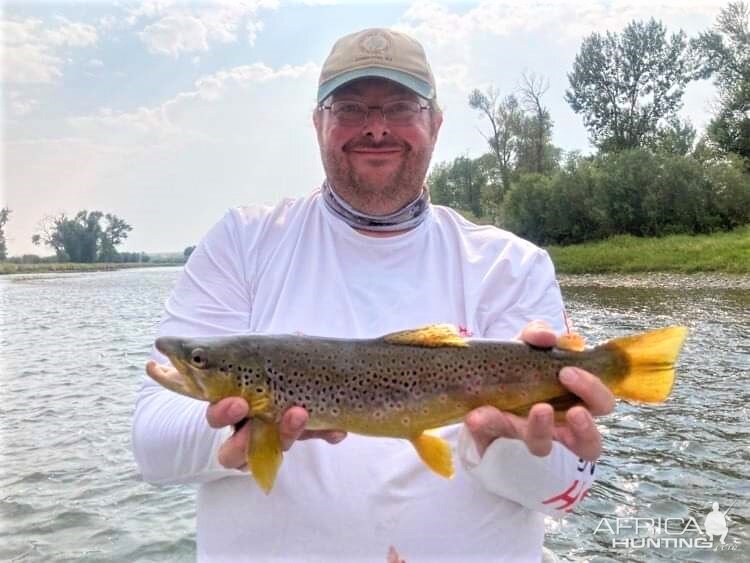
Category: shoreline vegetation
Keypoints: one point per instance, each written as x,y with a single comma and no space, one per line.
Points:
726,252
722,252
77,267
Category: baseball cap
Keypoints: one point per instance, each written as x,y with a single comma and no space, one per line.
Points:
380,53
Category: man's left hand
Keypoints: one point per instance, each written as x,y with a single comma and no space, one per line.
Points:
538,430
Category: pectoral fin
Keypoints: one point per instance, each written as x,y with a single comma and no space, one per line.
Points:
435,453
264,452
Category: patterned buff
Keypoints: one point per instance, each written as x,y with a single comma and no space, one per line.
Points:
405,218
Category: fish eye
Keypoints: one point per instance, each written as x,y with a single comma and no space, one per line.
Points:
199,358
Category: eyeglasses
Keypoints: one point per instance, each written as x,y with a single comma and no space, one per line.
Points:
355,114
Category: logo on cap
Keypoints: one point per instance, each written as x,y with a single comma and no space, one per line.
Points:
375,43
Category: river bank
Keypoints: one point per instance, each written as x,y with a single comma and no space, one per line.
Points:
725,252
71,267
720,253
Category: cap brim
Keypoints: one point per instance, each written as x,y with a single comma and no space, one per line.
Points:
419,87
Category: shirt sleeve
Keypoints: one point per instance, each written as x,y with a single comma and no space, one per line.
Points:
172,442
556,483
553,484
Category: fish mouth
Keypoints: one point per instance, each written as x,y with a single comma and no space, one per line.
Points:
180,379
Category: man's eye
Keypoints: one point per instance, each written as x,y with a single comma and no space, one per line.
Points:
349,108
400,107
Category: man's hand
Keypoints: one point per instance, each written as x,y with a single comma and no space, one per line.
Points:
232,410
538,430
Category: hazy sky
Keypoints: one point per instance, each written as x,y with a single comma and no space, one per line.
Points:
168,113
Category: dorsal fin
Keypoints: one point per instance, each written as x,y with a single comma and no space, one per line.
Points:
571,341
430,336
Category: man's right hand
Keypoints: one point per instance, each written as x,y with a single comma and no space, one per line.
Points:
232,410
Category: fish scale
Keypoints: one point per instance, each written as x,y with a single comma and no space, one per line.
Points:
402,384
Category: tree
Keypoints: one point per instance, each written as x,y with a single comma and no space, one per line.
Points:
115,233
626,85
504,116
725,54
535,150
82,238
4,214
459,184
188,251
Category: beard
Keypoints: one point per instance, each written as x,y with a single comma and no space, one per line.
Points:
382,193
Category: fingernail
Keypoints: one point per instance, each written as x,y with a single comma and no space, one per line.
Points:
568,375
236,410
579,419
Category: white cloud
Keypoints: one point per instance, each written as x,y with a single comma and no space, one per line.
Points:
71,34
95,63
179,28
32,51
173,34
20,105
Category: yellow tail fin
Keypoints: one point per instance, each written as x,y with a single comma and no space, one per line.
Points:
435,452
651,359
264,452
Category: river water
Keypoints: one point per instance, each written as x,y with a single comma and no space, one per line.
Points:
73,349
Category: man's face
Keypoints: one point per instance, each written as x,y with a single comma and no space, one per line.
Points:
377,167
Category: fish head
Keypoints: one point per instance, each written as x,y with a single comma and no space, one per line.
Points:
200,368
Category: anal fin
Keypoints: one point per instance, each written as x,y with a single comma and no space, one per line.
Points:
435,453
264,453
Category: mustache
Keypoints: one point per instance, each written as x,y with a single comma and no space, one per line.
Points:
368,143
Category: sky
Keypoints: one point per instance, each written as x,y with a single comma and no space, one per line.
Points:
168,113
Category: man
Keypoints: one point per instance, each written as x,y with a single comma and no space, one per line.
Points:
365,255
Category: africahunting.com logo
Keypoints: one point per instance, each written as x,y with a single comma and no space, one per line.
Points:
655,533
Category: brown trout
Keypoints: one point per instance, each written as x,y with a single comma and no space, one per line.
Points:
404,383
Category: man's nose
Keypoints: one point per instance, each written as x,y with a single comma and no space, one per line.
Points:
375,124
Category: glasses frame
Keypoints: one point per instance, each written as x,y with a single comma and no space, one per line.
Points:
382,107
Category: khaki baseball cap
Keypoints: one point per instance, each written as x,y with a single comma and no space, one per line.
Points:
380,53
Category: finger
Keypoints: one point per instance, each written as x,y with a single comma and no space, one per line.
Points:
598,398
156,370
582,436
227,411
538,333
486,424
233,452
539,429
292,425
330,436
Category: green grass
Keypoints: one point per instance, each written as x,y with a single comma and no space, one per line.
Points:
64,267
727,252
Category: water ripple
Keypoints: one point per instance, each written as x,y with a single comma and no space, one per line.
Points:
70,490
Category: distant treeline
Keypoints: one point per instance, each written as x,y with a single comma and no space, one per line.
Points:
651,174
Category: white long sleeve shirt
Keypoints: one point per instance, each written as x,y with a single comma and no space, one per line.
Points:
298,268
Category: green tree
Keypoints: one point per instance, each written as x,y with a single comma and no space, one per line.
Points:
535,151
459,184
4,214
725,55
188,251
626,85
82,238
504,116
115,233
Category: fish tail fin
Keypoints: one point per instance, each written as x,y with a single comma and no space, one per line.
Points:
435,453
264,452
651,359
